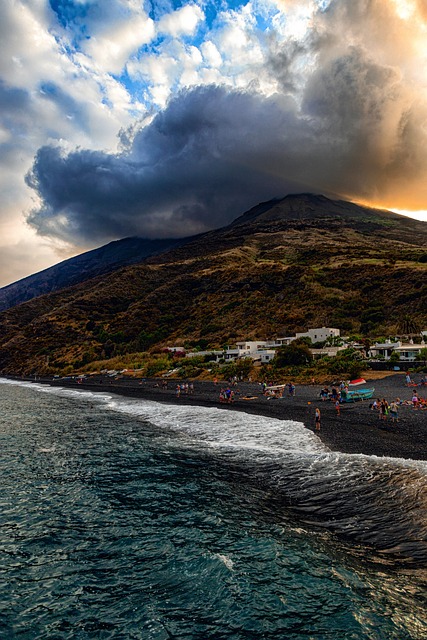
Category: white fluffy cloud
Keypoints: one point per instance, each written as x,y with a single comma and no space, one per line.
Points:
182,22
111,48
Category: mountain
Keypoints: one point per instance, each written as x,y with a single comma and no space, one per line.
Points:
284,266
83,267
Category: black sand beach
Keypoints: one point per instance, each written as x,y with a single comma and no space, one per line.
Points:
357,430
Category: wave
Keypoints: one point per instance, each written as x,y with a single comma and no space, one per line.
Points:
380,503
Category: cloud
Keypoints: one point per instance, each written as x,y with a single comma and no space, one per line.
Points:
50,93
183,21
192,168
212,113
354,126
111,48
21,244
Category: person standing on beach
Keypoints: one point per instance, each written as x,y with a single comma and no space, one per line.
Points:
337,406
317,419
415,399
393,411
383,409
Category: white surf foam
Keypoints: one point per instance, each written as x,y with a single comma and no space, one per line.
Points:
213,427
224,429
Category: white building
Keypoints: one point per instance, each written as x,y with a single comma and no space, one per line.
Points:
255,349
407,352
383,349
231,354
279,342
327,351
319,335
267,355
250,347
265,350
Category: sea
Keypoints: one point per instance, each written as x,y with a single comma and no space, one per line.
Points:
130,519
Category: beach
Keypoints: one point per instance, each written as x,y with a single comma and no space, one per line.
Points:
357,430
147,516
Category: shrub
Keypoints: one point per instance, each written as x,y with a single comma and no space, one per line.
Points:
239,368
296,353
156,365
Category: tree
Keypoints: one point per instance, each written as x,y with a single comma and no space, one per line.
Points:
348,362
409,326
242,367
295,353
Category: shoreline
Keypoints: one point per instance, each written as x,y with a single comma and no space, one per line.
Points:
358,429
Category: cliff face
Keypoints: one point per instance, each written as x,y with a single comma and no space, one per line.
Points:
284,266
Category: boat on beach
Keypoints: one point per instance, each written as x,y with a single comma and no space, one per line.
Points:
275,391
355,395
356,382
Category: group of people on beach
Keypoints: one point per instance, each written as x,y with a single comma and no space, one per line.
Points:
184,388
226,395
412,383
385,409
337,392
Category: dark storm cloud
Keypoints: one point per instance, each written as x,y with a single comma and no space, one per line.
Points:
204,159
352,125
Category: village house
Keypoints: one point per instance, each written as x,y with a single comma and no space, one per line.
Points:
267,355
331,352
409,352
383,349
264,350
319,335
245,349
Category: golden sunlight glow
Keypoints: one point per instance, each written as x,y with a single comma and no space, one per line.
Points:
418,215
405,9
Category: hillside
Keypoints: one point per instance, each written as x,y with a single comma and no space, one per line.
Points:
284,266
83,267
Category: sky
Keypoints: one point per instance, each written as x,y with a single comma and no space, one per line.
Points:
168,118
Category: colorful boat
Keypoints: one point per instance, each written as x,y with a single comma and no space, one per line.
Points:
356,395
354,383
275,391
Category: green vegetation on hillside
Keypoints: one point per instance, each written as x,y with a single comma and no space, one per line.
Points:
266,278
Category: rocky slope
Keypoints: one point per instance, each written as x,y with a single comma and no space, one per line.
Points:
83,267
284,266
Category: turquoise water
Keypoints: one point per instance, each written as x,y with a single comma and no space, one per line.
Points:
129,519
